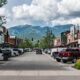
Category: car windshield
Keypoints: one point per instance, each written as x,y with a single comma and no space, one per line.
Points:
56,52
4,51
15,49
69,50
72,50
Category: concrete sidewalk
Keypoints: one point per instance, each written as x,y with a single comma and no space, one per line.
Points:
39,73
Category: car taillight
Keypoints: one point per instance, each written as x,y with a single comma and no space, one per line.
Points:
65,54
69,54
2,54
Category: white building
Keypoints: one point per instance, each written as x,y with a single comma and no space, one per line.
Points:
73,32
55,42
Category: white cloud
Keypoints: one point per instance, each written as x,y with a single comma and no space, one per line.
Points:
51,12
69,6
38,10
4,12
62,21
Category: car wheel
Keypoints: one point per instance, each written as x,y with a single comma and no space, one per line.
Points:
15,54
5,58
58,60
64,61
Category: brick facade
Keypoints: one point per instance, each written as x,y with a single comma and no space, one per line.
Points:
10,40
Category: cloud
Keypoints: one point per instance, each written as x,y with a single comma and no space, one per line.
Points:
4,12
38,10
71,7
62,21
51,12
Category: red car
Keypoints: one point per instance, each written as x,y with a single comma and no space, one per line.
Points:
68,55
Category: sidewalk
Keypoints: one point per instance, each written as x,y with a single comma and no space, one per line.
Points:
39,73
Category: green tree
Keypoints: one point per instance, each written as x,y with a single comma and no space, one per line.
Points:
47,41
3,2
42,44
26,44
2,18
37,44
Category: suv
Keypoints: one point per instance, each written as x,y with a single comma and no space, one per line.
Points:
3,55
38,51
7,52
68,55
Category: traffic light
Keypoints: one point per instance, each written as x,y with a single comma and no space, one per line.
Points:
32,39
38,41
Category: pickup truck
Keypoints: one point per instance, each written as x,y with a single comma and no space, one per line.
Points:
68,55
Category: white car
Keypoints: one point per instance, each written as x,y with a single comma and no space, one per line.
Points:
16,52
12,52
49,51
56,50
22,51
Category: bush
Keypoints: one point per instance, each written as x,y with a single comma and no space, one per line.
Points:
77,64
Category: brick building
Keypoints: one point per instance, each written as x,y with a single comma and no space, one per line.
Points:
8,41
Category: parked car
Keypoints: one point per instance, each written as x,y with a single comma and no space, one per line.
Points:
16,52
47,51
3,56
27,49
56,50
7,52
38,51
21,50
55,54
12,52
68,55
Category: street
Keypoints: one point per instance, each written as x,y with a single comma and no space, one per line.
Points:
32,66
31,61
39,40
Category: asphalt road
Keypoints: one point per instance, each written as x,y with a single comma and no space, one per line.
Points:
31,61
30,66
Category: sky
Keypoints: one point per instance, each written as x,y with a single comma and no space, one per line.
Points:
41,12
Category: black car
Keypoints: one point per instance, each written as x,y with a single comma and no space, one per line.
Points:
38,51
7,52
5,55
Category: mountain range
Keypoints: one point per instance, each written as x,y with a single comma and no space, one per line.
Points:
36,32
